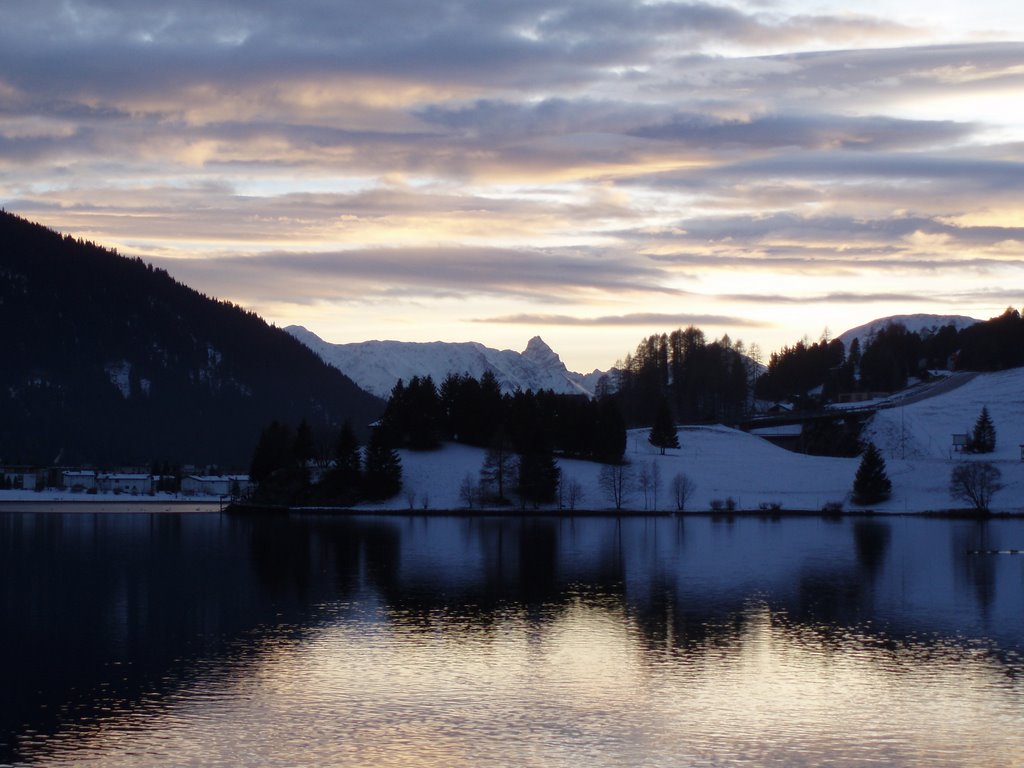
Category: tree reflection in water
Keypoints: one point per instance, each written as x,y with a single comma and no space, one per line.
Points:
117,613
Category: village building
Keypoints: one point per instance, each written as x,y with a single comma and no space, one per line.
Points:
117,482
77,480
25,478
215,485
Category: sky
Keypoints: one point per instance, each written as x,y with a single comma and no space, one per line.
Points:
590,171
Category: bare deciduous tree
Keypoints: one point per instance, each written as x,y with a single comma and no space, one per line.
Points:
975,482
643,482
682,489
469,492
655,483
573,492
614,480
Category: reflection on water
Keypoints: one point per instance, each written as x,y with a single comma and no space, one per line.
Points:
212,640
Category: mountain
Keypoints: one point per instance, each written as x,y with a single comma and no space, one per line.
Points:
919,324
377,365
107,360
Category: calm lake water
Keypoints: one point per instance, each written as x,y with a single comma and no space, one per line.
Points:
164,639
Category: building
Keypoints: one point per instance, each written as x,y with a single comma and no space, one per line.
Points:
215,485
79,480
25,478
116,482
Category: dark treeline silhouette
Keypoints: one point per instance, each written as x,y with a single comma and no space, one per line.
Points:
475,412
701,381
993,346
108,360
888,358
523,433
290,468
797,369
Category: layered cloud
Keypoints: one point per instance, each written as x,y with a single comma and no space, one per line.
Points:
443,163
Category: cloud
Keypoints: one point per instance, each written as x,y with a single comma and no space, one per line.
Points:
586,163
640,319
813,132
558,276
830,298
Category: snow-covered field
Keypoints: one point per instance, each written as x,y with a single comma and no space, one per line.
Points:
916,441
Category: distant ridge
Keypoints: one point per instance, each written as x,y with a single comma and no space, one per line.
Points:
377,365
921,324
107,360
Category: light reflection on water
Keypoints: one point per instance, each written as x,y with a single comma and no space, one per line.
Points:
404,644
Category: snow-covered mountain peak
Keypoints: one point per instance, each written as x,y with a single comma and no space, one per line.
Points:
540,353
377,365
921,324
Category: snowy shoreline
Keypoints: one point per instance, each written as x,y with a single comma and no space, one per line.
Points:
122,504
507,512
728,468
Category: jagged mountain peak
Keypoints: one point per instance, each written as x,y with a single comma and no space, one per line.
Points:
378,365
539,352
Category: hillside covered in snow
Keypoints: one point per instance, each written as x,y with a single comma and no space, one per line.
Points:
377,365
723,463
919,324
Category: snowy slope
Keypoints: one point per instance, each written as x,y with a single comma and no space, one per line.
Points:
915,441
919,324
723,462
924,429
377,365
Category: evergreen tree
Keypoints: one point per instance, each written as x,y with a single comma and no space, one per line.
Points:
537,476
413,416
663,433
983,437
304,447
273,452
871,484
609,433
499,466
382,475
341,484
346,454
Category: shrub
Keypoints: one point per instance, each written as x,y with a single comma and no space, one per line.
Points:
975,482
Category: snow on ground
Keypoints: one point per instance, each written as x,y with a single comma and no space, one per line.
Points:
925,429
915,440
721,462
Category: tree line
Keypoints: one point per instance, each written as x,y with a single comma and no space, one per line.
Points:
522,432
290,467
671,378
419,416
889,357
700,381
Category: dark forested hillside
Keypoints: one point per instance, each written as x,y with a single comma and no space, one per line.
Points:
890,356
108,360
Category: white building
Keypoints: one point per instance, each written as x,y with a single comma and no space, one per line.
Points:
116,482
215,485
79,480
18,477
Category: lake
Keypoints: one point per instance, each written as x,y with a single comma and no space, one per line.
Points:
202,639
